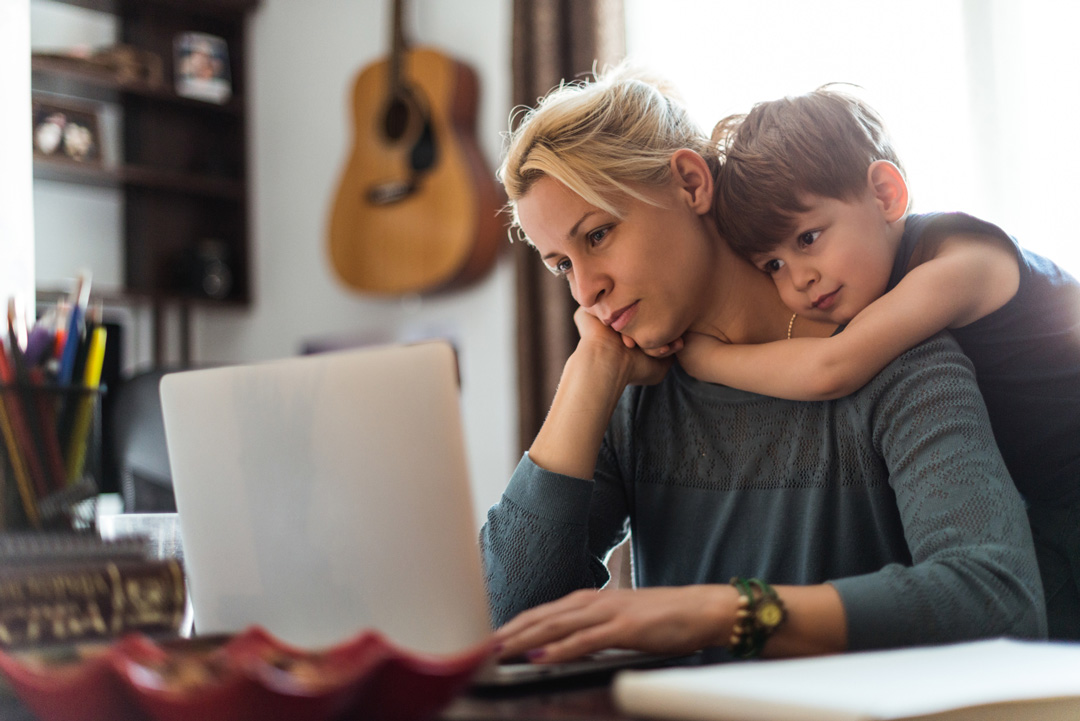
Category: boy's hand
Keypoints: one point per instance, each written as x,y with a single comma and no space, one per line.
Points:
700,355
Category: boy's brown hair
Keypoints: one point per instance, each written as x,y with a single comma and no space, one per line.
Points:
821,143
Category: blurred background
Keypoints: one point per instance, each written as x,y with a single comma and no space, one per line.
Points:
981,96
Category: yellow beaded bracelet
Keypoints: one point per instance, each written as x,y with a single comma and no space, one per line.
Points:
759,613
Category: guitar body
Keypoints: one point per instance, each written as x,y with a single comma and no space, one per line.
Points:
416,209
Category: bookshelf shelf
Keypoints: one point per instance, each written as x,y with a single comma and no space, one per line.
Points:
150,178
66,77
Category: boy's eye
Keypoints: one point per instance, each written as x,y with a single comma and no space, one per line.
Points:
773,265
808,237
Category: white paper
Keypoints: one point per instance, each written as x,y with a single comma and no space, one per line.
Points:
879,685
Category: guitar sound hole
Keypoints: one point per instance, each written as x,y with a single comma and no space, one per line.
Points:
396,121
423,153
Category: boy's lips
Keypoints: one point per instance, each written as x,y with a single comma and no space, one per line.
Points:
824,302
620,318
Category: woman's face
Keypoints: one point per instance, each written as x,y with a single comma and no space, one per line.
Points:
646,275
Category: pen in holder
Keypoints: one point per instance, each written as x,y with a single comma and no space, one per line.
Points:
51,455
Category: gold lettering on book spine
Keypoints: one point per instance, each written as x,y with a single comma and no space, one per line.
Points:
117,597
73,604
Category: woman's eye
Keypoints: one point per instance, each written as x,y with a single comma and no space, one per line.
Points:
562,267
597,236
772,266
809,237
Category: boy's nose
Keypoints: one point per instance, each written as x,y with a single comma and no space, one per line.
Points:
802,277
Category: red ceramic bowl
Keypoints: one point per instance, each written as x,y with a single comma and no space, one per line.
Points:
181,683
68,687
409,686
251,677
257,677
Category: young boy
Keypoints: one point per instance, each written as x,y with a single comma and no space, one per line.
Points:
812,192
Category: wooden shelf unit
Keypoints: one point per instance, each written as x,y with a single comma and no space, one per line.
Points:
183,162
182,167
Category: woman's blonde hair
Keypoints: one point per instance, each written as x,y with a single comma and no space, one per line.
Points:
600,138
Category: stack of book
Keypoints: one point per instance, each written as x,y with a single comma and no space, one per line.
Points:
73,587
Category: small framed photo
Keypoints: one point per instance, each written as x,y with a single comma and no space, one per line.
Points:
201,67
66,130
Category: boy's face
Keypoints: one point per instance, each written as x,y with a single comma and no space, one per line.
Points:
837,261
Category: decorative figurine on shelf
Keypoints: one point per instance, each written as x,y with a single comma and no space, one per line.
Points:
202,67
65,131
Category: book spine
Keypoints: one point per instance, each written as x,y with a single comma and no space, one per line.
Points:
52,604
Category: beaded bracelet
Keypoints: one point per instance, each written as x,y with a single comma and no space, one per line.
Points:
759,613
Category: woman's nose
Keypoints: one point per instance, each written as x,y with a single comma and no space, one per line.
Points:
589,285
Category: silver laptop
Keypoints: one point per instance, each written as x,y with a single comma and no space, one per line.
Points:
326,494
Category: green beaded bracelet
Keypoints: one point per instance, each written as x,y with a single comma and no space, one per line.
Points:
759,613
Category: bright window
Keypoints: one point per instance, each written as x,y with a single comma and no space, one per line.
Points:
982,96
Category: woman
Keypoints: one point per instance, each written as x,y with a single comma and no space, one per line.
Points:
882,519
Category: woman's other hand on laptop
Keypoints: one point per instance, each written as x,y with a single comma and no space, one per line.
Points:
673,620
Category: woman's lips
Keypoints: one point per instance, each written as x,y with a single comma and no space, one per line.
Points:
623,317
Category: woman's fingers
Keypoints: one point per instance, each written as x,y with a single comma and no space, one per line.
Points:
543,624
667,620
578,624
581,642
588,324
665,350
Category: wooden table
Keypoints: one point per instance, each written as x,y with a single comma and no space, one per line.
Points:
562,701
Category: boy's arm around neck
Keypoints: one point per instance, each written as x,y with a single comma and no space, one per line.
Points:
967,278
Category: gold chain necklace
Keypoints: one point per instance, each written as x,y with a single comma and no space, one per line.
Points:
791,324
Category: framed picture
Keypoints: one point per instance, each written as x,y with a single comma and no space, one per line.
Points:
66,130
201,67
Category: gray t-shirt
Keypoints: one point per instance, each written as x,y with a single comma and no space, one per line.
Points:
896,495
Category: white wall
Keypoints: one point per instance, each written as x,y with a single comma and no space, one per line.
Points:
78,226
303,59
979,95
16,215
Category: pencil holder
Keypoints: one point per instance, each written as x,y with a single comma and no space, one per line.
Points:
50,456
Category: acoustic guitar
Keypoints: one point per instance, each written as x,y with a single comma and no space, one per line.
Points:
416,209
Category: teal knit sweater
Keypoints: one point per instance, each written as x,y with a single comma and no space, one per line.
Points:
896,495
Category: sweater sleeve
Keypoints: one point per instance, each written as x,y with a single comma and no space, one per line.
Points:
547,536
973,571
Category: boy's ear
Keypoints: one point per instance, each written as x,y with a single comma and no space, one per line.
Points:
887,183
693,179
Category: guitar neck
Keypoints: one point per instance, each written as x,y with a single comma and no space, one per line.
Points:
398,46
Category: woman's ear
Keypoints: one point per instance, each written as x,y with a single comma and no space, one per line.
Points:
889,188
692,179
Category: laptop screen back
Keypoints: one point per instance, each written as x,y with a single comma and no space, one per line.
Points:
326,494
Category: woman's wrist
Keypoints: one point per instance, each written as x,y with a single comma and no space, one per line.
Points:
719,611
759,614
600,368
589,389
813,622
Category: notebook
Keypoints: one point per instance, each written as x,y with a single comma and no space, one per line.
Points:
322,495
994,680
